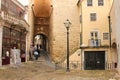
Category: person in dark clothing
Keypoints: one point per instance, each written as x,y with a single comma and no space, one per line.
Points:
38,50
31,52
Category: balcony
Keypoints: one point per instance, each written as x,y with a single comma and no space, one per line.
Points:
94,42
13,19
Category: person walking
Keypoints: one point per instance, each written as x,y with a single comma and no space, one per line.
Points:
31,53
36,54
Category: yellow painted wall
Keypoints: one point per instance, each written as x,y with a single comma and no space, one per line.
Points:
100,25
113,20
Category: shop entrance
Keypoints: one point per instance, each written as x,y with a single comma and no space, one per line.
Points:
11,37
94,60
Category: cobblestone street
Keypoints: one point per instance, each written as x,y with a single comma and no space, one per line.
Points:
40,70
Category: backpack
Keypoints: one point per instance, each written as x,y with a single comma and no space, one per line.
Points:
35,53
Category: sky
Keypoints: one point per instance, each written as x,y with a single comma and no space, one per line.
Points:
24,2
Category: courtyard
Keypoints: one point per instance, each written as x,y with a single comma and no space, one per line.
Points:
41,70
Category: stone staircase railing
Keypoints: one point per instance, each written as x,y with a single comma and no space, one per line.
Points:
110,66
71,52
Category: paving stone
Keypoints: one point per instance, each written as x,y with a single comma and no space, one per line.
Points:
37,70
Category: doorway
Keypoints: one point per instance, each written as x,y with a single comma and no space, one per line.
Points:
41,42
94,60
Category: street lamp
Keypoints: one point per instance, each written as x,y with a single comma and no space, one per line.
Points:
67,25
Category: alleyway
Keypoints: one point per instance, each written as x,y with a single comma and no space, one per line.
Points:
42,69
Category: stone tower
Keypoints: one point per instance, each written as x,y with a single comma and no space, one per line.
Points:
47,17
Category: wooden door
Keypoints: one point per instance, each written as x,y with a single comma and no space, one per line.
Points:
94,60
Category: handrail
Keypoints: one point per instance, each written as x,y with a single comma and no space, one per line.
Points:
94,42
79,65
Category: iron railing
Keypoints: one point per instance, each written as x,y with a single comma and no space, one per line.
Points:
80,66
94,42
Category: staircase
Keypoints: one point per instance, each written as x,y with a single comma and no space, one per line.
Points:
45,59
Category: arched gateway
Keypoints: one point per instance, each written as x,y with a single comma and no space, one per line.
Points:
46,18
41,41
40,23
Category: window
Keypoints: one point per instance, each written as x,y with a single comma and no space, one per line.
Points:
105,36
94,41
100,2
93,16
94,35
91,35
89,2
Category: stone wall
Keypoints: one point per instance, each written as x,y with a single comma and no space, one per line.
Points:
63,10
30,22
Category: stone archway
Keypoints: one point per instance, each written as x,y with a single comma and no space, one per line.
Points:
41,45
41,41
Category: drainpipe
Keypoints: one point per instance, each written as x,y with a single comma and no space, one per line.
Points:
109,20
81,36
81,32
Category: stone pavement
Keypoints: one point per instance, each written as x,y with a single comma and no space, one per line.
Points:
44,70
39,70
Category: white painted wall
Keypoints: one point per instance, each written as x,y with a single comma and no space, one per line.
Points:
115,24
117,13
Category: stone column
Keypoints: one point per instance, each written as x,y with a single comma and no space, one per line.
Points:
30,34
1,32
31,21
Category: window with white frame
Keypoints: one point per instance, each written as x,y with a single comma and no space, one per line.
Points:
89,3
105,36
94,41
92,16
94,35
100,2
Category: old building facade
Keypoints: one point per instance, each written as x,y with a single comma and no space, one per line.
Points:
90,39
13,30
95,35
95,38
